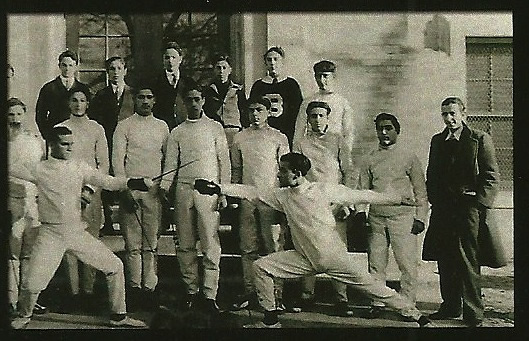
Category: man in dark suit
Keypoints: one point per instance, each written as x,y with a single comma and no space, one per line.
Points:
169,84
109,106
462,180
52,103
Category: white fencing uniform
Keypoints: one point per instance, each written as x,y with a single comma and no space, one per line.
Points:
59,184
138,150
202,142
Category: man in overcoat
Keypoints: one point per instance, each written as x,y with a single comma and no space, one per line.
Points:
461,181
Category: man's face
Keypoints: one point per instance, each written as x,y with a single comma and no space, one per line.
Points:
258,115
287,177
318,119
274,63
325,80
15,116
68,67
194,101
144,102
222,70
78,104
62,149
452,115
386,133
116,72
171,60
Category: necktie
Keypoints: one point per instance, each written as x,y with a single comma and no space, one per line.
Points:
117,94
274,80
173,81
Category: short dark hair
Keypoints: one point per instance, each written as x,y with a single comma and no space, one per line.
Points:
324,66
297,162
387,116
261,100
172,45
86,92
143,85
111,59
318,104
220,57
70,54
13,101
193,86
277,49
57,131
454,100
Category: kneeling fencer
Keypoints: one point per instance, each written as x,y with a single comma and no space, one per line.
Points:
59,181
307,206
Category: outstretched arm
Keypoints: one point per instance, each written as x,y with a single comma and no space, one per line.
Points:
343,194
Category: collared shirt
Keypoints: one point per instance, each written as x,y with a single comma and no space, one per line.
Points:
330,158
173,77
399,168
139,146
67,82
202,145
59,184
117,89
454,135
340,119
90,143
308,208
255,156
269,79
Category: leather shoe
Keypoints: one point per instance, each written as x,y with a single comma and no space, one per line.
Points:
444,314
473,323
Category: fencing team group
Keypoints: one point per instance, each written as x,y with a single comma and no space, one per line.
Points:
171,141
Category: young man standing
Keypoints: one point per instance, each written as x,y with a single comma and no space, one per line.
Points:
139,150
462,182
341,121
283,92
90,147
199,147
255,157
24,150
307,206
330,163
59,181
110,105
52,103
169,85
225,99
391,164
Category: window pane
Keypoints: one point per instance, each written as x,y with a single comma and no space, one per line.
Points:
91,24
116,25
478,66
502,65
92,53
502,98
505,162
478,98
119,47
501,131
96,80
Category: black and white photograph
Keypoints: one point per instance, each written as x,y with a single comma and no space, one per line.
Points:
259,169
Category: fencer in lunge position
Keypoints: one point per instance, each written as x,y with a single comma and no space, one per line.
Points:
59,181
307,206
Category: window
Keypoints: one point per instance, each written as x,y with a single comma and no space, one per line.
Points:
490,96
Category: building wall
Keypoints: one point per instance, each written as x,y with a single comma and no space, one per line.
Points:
34,43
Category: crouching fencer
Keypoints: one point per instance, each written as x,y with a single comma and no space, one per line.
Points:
59,181
307,206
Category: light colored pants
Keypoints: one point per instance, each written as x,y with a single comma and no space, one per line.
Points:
258,223
292,264
51,244
141,241
20,248
196,218
308,283
92,216
394,230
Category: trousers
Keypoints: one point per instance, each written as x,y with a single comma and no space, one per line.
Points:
52,242
196,217
291,264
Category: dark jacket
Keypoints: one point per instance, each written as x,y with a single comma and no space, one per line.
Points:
52,104
474,169
169,104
